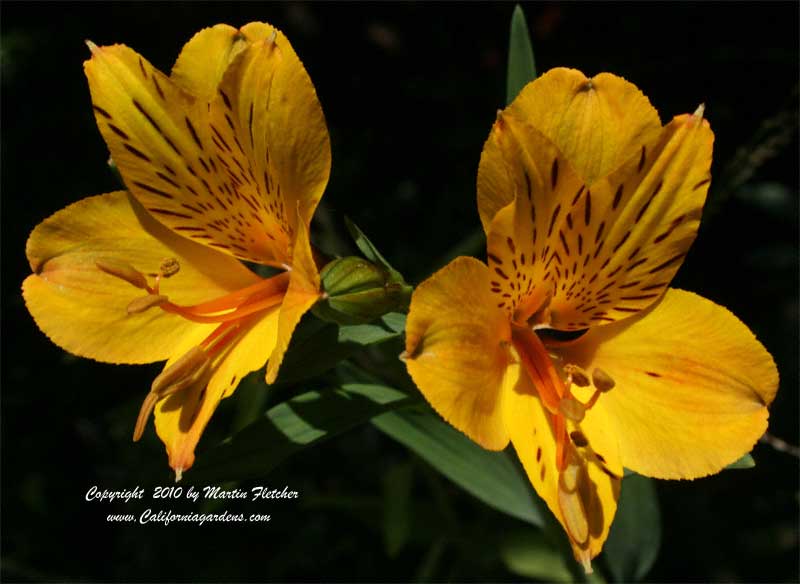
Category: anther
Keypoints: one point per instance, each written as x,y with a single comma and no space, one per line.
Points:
579,439
169,267
183,369
146,302
122,271
576,375
572,409
189,369
602,380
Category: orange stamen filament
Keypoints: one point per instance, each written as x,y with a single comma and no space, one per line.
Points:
254,298
539,367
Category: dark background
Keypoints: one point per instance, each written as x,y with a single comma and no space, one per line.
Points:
409,92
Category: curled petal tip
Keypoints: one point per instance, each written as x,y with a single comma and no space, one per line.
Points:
92,47
178,474
403,356
699,111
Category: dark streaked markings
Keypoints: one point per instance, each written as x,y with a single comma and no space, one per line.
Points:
193,132
556,211
137,153
617,197
119,132
102,112
153,190
168,212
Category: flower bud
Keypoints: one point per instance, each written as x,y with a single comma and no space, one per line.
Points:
357,291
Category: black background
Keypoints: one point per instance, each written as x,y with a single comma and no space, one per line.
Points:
409,91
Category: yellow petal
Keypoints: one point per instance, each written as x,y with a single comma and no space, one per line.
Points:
457,349
525,238
205,58
303,292
83,309
583,498
596,123
269,116
182,417
289,134
692,386
627,242
173,159
595,253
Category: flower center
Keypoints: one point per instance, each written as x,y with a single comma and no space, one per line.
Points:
230,311
573,450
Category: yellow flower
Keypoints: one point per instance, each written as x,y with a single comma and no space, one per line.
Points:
226,158
569,343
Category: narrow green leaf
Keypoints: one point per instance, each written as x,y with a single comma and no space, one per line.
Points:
397,507
389,326
528,553
489,476
291,426
318,346
521,65
747,461
635,536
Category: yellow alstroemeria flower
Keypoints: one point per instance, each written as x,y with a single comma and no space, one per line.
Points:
569,343
226,158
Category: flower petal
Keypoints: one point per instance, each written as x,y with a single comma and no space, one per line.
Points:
597,123
182,417
269,114
585,512
457,349
205,58
692,386
175,161
303,292
598,253
83,309
626,243
524,247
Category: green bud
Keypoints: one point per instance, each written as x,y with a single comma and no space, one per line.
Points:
357,291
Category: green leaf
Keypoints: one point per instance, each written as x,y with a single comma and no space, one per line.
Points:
389,326
521,65
747,461
397,507
529,554
489,476
318,346
635,536
291,426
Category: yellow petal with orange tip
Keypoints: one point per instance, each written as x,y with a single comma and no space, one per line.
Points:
83,308
303,292
457,349
597,123
181,417
692,386
584,496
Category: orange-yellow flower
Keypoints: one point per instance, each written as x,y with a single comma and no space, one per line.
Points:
569,344
224,160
